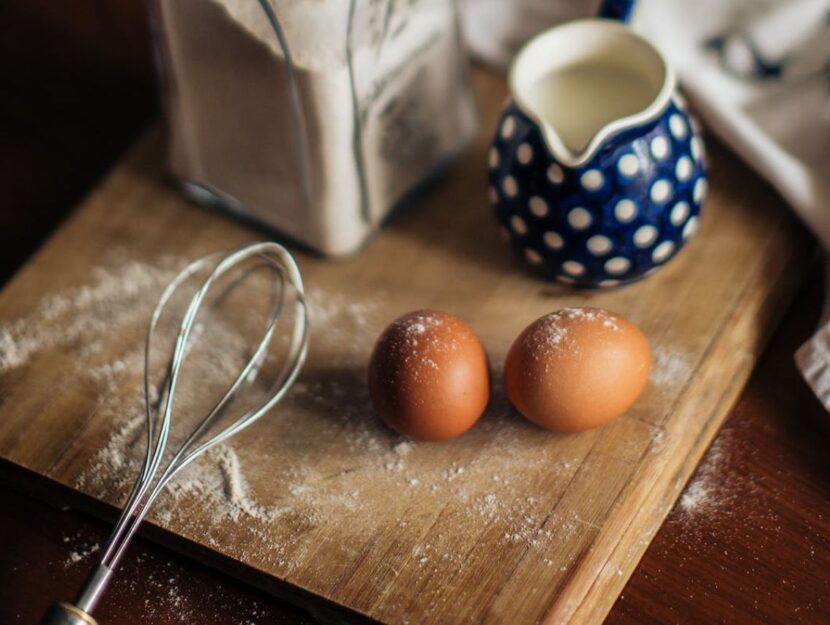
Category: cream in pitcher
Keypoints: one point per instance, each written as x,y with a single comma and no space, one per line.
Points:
579,100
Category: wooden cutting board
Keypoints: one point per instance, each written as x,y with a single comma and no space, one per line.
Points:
320,503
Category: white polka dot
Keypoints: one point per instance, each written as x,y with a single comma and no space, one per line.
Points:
579,218
507,127
609,283
518,224
493,158
555,174
662,251
678,127
690,228
537,206
625,210
599,245
553,240
698,150
533,256
564,279
524,153
684,168
494,195
592,179
617,265
701,187
645,236
628,165
660,191
659,148
573,267
679,213
509,186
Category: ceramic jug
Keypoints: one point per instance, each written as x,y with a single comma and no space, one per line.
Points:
596,168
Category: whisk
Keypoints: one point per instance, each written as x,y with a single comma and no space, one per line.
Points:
154,476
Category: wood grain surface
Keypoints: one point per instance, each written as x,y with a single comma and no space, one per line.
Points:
749,539
587,504
757,553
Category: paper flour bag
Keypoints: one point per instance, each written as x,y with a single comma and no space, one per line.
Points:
312,117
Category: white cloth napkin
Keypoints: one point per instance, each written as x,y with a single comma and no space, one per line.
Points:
759,74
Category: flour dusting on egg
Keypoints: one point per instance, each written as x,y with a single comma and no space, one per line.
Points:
429,376
415,332
576,368
552,337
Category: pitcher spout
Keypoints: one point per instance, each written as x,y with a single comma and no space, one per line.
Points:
587,81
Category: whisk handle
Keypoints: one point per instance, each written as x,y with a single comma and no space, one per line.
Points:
63,613
78,613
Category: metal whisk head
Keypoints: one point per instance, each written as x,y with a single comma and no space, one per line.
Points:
155,472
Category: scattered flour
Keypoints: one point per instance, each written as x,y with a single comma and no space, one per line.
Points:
709,491
671,369
698,495
82,554
403,448
717,485
337,463
218,483
117,296
165,590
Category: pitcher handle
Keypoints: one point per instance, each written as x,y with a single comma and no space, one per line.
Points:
616,9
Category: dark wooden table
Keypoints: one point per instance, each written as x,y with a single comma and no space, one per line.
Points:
748,542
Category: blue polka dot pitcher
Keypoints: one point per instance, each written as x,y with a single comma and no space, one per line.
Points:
596,168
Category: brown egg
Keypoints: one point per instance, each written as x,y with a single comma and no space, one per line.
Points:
576,368
428,376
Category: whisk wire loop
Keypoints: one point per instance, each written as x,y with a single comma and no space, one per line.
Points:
159,408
